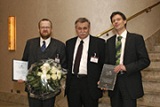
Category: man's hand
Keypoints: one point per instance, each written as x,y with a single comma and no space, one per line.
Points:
101,88
20,81
119,68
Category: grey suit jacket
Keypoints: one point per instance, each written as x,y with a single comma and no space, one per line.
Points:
32,52
135,59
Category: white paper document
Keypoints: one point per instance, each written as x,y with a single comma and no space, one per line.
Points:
20,70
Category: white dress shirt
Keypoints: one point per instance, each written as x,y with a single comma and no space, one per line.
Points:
84,57
47,41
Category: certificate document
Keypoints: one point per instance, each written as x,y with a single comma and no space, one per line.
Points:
20,70
108,77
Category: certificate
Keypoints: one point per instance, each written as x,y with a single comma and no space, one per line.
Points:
108,77
20,70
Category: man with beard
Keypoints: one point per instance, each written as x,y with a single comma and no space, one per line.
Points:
43,47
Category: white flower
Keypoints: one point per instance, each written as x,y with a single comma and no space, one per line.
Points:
39,73
45,68
59,74
53,70
54,76
48,76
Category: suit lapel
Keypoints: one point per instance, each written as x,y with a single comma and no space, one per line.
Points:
37,44
91,47
112,48
35,48
51,44
126,46
72,46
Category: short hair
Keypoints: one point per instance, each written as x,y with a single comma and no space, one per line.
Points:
44,19
119,13
82,20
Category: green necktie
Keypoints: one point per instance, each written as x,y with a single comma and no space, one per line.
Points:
118,49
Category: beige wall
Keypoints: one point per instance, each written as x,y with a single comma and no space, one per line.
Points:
63,13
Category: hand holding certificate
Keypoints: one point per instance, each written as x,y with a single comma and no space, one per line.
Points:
20,70
108,77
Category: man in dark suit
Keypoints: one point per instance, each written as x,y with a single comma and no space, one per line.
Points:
133,59
81,84
33,52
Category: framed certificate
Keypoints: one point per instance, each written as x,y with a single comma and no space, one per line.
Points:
20,70
108,77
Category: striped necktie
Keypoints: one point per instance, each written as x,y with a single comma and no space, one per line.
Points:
43,48
118,49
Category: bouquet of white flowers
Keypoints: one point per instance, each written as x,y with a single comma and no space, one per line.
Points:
44,79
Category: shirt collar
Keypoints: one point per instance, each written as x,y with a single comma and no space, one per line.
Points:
85,39
46,40
124,34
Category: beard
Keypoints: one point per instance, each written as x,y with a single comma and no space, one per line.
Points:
45,36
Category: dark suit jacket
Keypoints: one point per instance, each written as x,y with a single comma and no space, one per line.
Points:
97,46
135,59
33,53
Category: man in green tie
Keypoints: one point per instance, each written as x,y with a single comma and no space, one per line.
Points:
130,57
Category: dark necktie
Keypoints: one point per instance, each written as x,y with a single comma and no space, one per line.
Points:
118,50
43,46
78,58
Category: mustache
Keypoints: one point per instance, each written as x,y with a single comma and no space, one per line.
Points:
45,31
46,36
83,33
